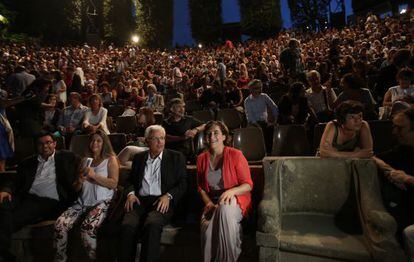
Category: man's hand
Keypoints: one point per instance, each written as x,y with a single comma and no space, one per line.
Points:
131,200
398,176
190,133
226,197
5,196
163,204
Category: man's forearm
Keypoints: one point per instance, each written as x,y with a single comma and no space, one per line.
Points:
382,165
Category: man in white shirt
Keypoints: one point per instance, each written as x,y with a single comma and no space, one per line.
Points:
156,183
45,184
256,106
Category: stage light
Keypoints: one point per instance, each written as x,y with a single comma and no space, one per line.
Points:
2,19
135,39
403,11
200,46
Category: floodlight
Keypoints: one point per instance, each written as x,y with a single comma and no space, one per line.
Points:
135,39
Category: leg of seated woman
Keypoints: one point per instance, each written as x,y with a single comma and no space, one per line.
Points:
62,226
221,235
126,154
90,225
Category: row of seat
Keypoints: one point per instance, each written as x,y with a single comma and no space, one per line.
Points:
288,140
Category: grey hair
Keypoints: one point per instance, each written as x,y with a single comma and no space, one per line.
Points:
313,72
153,128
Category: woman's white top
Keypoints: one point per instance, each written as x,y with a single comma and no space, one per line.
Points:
60,95
93,194
100,117
397,93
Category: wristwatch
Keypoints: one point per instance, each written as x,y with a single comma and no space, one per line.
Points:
169,196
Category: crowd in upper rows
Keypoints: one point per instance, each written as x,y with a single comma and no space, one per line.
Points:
360,72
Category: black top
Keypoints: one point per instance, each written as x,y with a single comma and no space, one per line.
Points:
209,96
400,157
180,127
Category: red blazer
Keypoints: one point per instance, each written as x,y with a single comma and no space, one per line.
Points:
235,172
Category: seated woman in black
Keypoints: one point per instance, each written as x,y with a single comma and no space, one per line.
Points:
349,135
293,106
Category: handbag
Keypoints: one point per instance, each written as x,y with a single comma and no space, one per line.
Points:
116,207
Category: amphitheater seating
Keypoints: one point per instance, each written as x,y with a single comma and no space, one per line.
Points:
231,117
251,142
290,140
126,124
299,222
203,115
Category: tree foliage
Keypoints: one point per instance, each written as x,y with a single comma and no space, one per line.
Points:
118,22
51,19
206,21
154,19
260,18
308,13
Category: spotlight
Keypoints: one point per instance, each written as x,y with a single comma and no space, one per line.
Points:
403,11
3,19
200,46
135,39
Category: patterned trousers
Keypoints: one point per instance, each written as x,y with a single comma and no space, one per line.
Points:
95,215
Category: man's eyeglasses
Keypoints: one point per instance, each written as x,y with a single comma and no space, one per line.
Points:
158,139
48,143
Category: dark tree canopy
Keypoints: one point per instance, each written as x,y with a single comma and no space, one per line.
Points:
308,13
206,21
260,18
53,20
118,21
155,22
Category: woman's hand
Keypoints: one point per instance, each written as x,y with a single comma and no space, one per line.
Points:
209,210
90,174
226,197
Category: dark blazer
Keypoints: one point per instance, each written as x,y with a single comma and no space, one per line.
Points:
173,173
67,166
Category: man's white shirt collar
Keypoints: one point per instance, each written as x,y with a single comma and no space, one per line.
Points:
41,159
153,159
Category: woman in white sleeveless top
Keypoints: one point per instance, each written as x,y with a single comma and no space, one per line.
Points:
100,181
404,89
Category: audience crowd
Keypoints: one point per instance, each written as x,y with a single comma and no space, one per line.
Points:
345,77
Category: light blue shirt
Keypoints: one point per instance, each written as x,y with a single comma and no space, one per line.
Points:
151,184
256,108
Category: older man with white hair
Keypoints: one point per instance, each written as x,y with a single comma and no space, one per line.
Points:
156,183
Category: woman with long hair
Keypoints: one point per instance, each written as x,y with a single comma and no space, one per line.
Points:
100,181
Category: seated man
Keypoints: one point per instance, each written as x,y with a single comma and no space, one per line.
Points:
71,119
256,106
398,167
156,183
180,128
44,186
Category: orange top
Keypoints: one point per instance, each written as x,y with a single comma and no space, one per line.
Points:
235,171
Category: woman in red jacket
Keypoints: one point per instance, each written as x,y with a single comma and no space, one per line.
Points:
224,183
